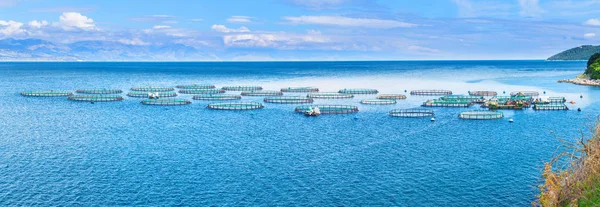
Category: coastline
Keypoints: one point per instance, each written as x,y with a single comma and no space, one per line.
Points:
581,81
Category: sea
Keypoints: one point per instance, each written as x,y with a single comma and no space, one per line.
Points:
56,152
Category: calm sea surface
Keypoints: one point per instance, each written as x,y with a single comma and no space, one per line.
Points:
63,153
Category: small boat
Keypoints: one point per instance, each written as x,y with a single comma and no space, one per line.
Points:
572,102
313,111
432,119
511,120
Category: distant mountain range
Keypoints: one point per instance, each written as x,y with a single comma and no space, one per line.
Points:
41,50
578,53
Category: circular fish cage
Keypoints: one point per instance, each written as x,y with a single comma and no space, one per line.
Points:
481,115
378,101
359,91
525,93
99,91
152,89
166,102
142,94
411,113
483,93
329,109
50,93
299,90
262,93
391,96
235,106
242,88
96,98
288,100
196,86
430,92
201,91
217,97
329,95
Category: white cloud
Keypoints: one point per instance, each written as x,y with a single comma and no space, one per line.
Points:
421,49
8,28
348,22
530,8
161,27
239,19
73,20
196,20
223,29
7,3
589,35
274,40
134,41
157,18
593,22
469,9
36,24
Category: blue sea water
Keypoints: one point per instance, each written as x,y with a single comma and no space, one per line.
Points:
55,152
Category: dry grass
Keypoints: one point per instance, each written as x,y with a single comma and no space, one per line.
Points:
578,182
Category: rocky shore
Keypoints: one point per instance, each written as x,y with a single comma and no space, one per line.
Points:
581,81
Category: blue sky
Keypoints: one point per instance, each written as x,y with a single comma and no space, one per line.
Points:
317,29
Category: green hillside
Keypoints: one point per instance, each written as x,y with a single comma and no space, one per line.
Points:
578,53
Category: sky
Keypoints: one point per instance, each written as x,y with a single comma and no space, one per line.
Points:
317,29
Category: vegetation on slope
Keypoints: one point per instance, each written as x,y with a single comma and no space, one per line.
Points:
578,184
593,67
579,53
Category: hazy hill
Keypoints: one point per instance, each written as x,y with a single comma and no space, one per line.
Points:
578,53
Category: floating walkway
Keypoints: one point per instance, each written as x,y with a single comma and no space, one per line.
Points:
525,93
152,89
50,93
550,107
235,106
391,96
430,92
96,98
447,103
483,93
261,93
481,115
201,91
359,91
166,102
411,113
242,88
288,100
378,101
329,109
142,94
196,86
299,90
100,91
474,99
329,95
557,99
217,97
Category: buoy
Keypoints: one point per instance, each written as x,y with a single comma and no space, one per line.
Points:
355,117
572,102
92,102
544,92
404,91
504,92
511,120
432,119
578,109
581,96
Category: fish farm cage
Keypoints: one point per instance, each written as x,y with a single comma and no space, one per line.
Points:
329,95
261,93
217,97
166,102
512,98
475,99
411,113
46,93
152,89
550,107
378,101
201,91
142,94
525,93
100,91
96,98
481,115
299,90
288,100
329,109
235,106
391,96
196,86
242,88
430,92
557,99
483,93
359,91
447,103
